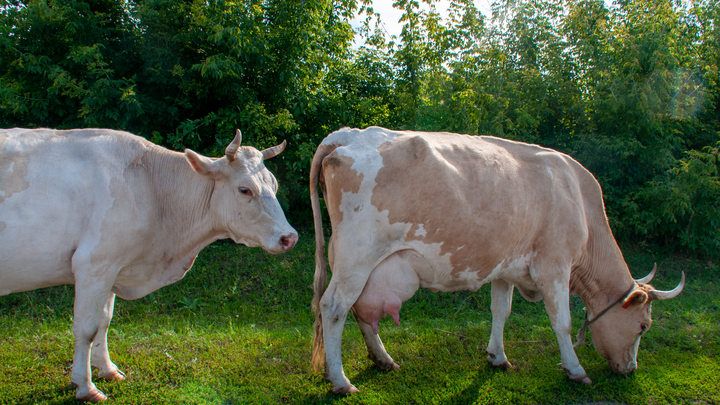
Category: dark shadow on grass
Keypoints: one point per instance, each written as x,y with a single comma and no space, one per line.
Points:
327,398
368,373
470,394
64,395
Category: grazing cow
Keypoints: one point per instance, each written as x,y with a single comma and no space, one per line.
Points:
452,212
113,214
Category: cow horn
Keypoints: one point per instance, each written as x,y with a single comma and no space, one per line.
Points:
647,278
665,295
274,151
232,149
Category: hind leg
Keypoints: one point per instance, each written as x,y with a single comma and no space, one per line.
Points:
375,347
501,295
391,282
334,307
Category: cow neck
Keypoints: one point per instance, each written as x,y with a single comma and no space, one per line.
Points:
182,200
589,321
601,279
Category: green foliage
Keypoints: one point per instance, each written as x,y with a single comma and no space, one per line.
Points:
645,115
66,64
682,203
631,91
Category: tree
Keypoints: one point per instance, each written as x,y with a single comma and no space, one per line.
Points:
67,64
631,91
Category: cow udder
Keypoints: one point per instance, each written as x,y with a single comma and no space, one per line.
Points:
390,284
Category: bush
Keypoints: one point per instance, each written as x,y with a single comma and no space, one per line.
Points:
682,207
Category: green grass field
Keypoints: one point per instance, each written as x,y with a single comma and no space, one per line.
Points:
238,330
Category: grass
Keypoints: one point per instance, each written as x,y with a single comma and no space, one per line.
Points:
238,330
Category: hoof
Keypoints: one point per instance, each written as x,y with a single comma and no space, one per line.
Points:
350,389
386,366
116,375
503,365
93,396
383,365
584,379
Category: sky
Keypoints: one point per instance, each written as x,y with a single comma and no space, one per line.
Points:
390,16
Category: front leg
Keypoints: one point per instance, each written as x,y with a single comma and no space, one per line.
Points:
100,354
90,308
556,295
501,294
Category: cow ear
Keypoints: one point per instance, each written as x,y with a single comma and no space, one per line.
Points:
637,297
199,163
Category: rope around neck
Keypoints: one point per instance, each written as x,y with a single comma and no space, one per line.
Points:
581,333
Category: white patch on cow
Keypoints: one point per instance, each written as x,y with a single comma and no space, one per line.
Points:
633,359
469,279
560,298
437,274
380,238
494,274
549,172
563,321
562,292
367,162
420,232
370,163
514,271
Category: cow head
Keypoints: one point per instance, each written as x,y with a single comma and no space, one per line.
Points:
616,334
243,201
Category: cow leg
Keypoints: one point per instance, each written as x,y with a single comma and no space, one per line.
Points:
376,349
100,358
501,294
334,307
91,307
556,296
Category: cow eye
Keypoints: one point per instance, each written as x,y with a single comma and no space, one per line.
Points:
245,191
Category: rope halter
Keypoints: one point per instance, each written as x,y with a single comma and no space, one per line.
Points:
581,333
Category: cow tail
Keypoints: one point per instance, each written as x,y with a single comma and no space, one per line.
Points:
320,283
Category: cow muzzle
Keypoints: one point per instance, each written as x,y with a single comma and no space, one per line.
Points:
288,241
283,243
624,369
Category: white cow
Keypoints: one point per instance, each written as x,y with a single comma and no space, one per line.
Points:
452,212
113,214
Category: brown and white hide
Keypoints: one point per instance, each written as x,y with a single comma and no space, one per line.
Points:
452,212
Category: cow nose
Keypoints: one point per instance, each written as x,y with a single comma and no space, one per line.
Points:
626,369
288,241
